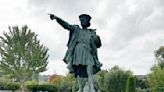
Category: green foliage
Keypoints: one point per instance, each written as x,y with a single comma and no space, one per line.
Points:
48,87
13,86
64,86
33,82
31,85
42,87
142,83
114,80
64,83
142,90
68,84
100,79
8,85
159,54
22,55
56,79
131,84
70,79
156,79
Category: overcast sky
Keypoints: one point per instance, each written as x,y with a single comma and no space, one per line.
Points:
130,30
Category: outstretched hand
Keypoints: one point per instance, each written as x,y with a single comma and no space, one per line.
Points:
52,16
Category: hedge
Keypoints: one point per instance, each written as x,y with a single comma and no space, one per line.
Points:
9,86
42,87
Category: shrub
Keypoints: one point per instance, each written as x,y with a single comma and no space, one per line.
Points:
9,86
100,78
2,86
130,84
64,86
113,80
42,87
31,85
56,79
142,90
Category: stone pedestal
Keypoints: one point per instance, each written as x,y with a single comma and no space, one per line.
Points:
86,88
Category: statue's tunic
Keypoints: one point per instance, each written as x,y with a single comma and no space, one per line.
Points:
82,49
82,52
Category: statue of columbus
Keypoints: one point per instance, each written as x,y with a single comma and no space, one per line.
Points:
81,57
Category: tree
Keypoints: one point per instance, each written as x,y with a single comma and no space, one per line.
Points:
113,80
22,55
56,79
159,54
131,84
100,79
156,79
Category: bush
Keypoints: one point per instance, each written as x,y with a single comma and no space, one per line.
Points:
56,79
42,87
2,86
142,90
131,84
9,86
113,80
100,79
13,86
64,86
47,87
31,85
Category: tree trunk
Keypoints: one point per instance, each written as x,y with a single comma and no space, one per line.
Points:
22,86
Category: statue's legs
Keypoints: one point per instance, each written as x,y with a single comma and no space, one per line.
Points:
90,78
81,83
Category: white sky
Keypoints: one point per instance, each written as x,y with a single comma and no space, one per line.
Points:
130,30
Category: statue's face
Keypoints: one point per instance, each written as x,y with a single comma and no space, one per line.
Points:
84,22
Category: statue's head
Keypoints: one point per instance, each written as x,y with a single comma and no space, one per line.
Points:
85,20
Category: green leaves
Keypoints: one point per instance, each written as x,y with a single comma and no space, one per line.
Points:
113,80
22,55
131,84
159,55
156,79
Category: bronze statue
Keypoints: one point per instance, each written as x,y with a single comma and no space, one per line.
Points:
81,57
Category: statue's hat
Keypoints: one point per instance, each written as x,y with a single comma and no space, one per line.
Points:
85,16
